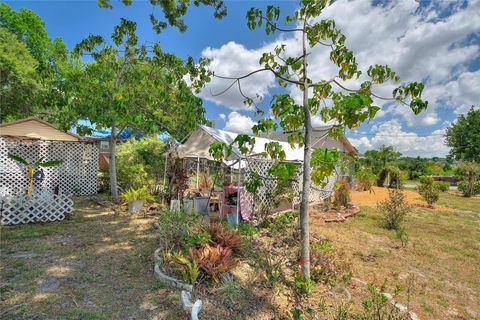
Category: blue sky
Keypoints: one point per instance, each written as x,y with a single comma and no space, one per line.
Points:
438,43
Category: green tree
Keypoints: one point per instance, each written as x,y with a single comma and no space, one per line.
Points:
463,137
52,62
19,83
388,154
332,99
134,86
173,11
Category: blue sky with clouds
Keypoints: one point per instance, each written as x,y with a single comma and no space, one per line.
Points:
436,42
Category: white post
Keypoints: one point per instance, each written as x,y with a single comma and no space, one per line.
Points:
237,219
198,169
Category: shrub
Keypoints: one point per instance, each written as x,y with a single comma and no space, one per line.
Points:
328,264
341,196
247,229
428,191
280,222
364,179
443,186
378,307
469,171
214,260
391,174
426,180
393,209
140,163
270,267
221,235
462,187
196,239
174,227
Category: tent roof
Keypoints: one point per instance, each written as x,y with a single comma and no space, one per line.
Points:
199,141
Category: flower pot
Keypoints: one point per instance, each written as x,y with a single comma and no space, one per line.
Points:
200,204
227,184
188,205
232,218
135,206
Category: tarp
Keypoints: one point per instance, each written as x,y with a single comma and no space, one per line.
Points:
198,145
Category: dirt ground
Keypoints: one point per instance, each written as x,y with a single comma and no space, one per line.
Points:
372,198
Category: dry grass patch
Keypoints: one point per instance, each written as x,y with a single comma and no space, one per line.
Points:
442,254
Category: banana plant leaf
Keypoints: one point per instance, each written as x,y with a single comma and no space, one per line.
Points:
18,159
52,163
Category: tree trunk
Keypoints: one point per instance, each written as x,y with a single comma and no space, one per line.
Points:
304,224
112,166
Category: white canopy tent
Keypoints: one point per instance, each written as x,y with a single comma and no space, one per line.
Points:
197,145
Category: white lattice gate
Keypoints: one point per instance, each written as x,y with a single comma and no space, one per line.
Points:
77,174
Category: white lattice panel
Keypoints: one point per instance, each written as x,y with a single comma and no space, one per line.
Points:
260,167
317,193
45,207
77,174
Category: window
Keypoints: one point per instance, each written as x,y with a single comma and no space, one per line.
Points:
104,145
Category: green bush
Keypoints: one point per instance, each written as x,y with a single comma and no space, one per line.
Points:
428,190
394,209
426,180
392,175
174,227
476,187
364,179
443,186
280,222
141,163
137,194
341,196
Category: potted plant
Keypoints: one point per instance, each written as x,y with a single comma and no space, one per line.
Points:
136,198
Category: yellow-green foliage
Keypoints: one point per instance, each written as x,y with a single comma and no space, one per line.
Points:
137,194
140,163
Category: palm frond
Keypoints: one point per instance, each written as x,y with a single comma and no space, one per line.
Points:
52,163
18,159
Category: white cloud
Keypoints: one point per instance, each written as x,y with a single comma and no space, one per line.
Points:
239,123
408,143
222,116
421,43
233,60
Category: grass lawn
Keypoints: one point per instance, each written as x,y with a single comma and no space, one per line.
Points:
97,265
443,255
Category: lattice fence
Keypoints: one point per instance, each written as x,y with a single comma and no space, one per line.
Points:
77,174
44,207
260,167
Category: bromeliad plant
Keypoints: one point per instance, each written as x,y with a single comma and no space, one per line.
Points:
32,167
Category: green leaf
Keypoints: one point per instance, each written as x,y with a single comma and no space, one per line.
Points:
18,159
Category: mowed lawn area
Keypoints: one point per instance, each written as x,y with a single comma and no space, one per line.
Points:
99,264
442,254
